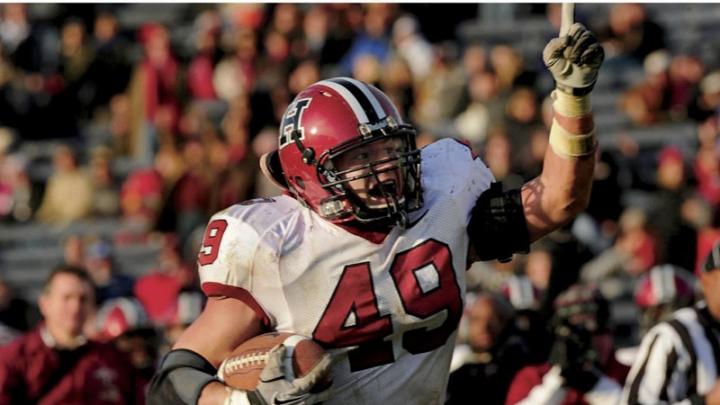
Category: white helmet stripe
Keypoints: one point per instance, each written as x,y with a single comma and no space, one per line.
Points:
369,94
656,284
349,98
670,289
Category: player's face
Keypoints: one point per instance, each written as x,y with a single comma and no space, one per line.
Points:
371,189
66,304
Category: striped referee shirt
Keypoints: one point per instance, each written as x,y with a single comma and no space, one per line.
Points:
678,360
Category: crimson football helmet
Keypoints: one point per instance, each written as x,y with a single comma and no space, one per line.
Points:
664,289
333,117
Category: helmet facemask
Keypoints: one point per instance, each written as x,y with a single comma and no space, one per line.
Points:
399,197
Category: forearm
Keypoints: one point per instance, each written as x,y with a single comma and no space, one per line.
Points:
563,188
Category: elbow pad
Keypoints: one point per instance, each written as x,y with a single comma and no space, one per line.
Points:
180,379
497,226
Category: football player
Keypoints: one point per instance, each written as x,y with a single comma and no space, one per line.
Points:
366,251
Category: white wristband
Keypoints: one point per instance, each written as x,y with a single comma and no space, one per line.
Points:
236,397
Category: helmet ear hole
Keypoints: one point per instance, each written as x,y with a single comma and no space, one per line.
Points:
271,168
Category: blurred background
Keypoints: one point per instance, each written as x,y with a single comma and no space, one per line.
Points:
123,127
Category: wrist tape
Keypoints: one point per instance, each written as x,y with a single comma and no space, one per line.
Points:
565,143
571,106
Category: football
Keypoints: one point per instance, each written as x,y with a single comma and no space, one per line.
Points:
242,368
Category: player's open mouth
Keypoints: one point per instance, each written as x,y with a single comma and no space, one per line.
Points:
383,189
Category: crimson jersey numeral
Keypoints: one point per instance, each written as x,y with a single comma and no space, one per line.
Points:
431,257
352,316
211,242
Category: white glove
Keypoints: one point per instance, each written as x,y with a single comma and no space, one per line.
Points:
574,60
275,388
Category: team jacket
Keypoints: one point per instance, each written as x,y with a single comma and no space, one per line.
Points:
395,303
31,371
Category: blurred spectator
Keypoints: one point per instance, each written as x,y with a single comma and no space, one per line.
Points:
678,358
55,363
410,44
396,82
684,75
507,63
16,314
581,367
99,262
492,356
142,192
706,166
368,69
641,105
440,96
235,75
188,201
632,33
76,57
206,42
634,250
106,199
707,102
522,118
474,59
597,227
73,247
677,240
154,91
484,110
19,38
158,291
304,74
15,187
111,59
497,155
316,31
67,180
373,40
234,179
120,125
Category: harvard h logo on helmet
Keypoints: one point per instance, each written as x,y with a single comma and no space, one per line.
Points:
328,119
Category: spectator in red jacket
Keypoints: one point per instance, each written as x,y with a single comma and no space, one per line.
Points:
55,363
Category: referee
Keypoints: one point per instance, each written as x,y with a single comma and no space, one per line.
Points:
679,359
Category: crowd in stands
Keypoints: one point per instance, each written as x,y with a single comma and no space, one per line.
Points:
155,116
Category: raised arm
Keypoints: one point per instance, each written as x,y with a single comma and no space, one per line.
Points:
563,188
506,222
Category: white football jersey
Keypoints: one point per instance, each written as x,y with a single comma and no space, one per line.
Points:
396,304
